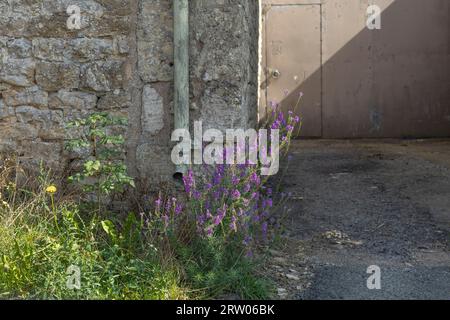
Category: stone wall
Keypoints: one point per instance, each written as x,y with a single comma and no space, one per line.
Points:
121,60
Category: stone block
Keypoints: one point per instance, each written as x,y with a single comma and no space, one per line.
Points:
18,72
31,96
56,76
117,99
48,123
103,76
65,99
154,163
53,50
88,49
19,48
152,111
6,112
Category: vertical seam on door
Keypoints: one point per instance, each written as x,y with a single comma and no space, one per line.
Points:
321,71
266,88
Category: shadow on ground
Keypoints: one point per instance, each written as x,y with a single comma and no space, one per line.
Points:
362,203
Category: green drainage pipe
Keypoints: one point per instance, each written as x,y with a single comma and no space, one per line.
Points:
181,72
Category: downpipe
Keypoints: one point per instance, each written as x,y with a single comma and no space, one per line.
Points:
181,72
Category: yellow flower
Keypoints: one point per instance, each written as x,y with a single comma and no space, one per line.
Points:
51,189
5,204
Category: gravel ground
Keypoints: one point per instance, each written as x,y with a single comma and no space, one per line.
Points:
361,203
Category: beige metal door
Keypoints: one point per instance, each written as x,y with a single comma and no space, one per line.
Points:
292,56
359,82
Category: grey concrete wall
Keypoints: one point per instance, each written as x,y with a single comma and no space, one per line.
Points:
121,60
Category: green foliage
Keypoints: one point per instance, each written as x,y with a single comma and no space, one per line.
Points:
35,255
220,269
214,265
205,241
105,171
41,236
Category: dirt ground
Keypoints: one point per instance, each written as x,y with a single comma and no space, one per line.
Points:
360,203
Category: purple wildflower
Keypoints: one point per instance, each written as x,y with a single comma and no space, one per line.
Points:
220,215
236,195
201,220
254,178
217,179
168,206
267,203
274,105
280,116
264,228
233,225
197,195
189,182
178,209
218,220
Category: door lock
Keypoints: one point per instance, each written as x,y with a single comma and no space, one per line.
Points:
276,73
